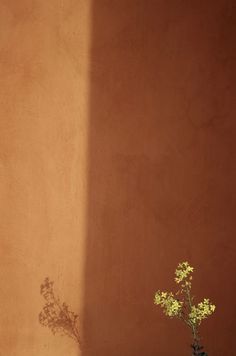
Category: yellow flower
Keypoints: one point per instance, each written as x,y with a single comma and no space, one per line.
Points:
192,315
201,311
182,272
171,306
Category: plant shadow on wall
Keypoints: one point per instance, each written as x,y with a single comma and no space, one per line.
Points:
181,305
56,315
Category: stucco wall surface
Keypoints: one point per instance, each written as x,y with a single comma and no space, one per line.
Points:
117,161
44,55
161,177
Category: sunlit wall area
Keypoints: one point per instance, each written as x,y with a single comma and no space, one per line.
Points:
44,59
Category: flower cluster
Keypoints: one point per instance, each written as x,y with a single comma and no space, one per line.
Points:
56,315
171,306
190,314
182,272
201,311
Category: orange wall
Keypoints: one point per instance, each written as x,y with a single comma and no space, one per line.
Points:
117,162
44,58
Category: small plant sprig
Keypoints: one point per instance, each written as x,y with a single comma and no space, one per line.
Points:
181,305
56,315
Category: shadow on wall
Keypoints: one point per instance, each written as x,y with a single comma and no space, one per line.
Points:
152,114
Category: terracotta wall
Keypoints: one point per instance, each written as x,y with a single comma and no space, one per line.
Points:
161,184
44,54
117,147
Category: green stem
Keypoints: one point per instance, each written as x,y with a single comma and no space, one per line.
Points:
193,326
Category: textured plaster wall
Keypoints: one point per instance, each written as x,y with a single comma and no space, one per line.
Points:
161,184
44,56
117,161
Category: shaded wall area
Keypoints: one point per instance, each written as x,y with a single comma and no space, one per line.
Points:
161,179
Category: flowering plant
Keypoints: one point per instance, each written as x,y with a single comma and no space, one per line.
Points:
181,305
